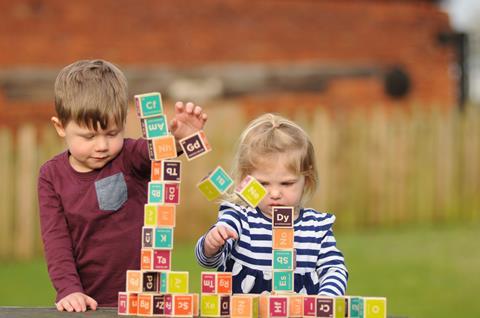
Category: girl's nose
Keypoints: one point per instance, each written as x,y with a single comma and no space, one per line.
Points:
275,193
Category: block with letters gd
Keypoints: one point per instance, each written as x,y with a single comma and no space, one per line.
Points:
195,145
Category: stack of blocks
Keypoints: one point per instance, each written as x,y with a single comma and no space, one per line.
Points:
216,293
154,289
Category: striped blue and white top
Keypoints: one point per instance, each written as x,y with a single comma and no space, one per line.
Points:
320,266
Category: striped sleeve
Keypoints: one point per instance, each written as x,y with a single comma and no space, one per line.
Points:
331,268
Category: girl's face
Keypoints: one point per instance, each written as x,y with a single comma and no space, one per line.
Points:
284,187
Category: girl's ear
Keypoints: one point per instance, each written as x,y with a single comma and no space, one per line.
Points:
58,126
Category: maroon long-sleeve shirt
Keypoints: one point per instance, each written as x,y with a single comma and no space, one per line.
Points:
91,222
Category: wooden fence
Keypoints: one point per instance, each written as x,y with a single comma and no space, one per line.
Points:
381,169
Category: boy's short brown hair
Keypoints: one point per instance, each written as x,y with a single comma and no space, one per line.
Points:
91,93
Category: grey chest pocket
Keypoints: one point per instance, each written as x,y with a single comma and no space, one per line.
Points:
111,192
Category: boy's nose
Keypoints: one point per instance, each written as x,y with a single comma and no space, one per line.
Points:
101,144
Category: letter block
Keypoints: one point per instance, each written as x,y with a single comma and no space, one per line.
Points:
162,259
284,260
177,282
216,283
147,237
156,192
148,105
215,305
146,259
341,307
145,304
159,215
309,306
163,238
283,238
127,303
158,305
162,148
215,183
274,306
166,170
282,216
154,127
325,306
244,306
356,307
195,145
375,307
172,193
185,305
295,305
134,281
283,281
251,191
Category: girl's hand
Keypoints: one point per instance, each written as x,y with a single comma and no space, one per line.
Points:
76,302
216,238
188,119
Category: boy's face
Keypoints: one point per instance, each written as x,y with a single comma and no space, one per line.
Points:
90,149
284,188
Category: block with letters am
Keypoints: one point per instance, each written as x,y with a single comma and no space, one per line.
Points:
154,127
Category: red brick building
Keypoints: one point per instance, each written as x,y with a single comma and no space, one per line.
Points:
311,53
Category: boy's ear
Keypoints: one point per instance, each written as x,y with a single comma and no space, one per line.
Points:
58,126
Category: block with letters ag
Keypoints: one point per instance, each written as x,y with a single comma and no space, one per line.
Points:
148,104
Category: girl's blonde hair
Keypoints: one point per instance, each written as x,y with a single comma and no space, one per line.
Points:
91,93
269,135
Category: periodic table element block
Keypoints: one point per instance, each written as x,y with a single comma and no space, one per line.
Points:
341,307
127,303
215,183
150,281
251,191
134,281
166,170
224,283
284,260
177,282
158,305
216,283
163,238
156,192
154,127
282,216
147,237
215,305
274,306
325,307
148,105
161,148
375,307
244,306
168,305
184,305
309,306
146,259
159,215
283,238
150,215
356,306
195,145
172,193
145,304
283,281
295,305
162,259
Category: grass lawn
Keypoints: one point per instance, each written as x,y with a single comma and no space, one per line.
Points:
423,272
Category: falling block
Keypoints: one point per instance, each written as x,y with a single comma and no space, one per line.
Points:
215,305
295,305
177,282
156,192
162,259
273,306
283,238
127,303
195,145
154,127
159,215
282,216
284,260
251,191
375,307
216,283
163,238
325,306
244,306
283,281
148,105
215,183
161,148
166,170
356,306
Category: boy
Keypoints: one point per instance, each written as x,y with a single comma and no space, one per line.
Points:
91,196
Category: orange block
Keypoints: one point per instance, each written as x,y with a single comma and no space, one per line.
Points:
145,304
283,238
244,306
132,304
295,305
166,215
224,283
146,256
183,305
156,174
134,281
162,148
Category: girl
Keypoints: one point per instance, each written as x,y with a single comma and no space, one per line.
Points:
279,154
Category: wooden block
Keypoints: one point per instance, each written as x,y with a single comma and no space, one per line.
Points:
216,282
356,306
168,305
159,215
162,259
284,260
172,193
150,281
150,215
133,281
215,305
224,283
145,304
166,170
158,305
156,192
309,306
183,305
215,183
163,238
148,105
282,216
146,259
244,306
251,191
177,282
295,305
127,303
195,145
147,237
273,306
282,281
154,127
341,307
325,306
375,307
283,238
163,281
161,148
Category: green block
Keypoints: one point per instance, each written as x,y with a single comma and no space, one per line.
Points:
356,307
177,282
340,307
208,190
253,193
150,216
283,281
210,305
282,259
163,238
375,307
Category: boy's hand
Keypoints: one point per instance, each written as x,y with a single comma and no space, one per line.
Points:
188,119
216,238
76,302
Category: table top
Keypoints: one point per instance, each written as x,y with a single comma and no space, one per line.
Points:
52,312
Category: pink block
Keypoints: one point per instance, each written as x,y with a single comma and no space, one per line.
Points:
208,283
278,306
161,259
172,193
